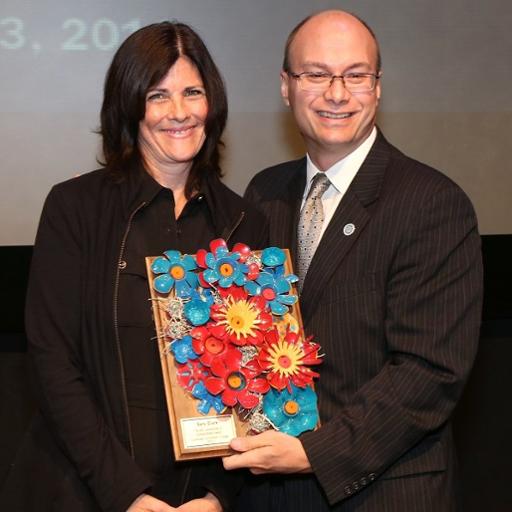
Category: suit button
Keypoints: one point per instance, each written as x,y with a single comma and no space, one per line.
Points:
372,477
363,481
355,485
348,490
122,265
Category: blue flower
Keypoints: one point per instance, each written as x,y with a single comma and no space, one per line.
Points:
182,349
292,413
197,310
274,286
273,257
175,271
224,268
207,400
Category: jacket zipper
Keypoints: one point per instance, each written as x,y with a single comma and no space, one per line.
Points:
186,484
234,228
116,329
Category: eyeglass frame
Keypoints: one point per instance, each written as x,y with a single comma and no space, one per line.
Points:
298,76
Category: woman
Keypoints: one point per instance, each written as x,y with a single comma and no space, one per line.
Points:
102,440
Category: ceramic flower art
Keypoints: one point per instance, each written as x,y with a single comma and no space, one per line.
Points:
235,335
236,383
175,271
275,287
292,411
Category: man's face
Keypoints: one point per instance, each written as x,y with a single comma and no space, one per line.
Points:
335,122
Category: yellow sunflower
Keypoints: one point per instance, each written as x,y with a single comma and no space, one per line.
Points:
240,320
285,358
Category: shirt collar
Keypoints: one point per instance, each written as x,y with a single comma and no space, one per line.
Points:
150,188
343,171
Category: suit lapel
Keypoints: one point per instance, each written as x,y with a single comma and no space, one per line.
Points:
283,232
345,227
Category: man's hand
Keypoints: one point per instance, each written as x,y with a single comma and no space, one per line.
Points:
209,503
146,503
270,452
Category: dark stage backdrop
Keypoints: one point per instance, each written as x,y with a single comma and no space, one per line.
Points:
446,89
482,421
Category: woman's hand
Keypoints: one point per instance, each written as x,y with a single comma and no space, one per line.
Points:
146,503
209,503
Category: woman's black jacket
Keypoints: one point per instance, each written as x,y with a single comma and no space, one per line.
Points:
77,455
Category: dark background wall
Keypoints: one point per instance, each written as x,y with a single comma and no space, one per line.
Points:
482,420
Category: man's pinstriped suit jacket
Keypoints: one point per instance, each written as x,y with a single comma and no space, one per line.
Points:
396,307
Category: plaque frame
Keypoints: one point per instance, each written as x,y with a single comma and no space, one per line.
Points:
181,405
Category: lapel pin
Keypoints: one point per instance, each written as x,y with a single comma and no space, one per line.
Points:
348,229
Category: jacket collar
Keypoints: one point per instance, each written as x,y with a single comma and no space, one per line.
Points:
349,221
283,232
140,188
226,207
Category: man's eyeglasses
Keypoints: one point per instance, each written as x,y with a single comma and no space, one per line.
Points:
311,81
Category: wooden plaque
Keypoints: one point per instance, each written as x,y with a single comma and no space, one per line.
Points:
194,435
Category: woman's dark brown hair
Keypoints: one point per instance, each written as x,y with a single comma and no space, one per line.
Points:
140,63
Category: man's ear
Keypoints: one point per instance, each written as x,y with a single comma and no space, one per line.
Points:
285,83
378,89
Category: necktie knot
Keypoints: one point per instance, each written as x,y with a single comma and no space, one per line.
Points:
319,184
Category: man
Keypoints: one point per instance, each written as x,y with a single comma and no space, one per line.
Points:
392,293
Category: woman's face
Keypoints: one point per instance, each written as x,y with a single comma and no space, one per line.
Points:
172,131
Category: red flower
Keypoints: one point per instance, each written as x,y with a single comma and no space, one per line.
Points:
236,383
206,345
287,359
234,291
240,320
245,252
190,373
